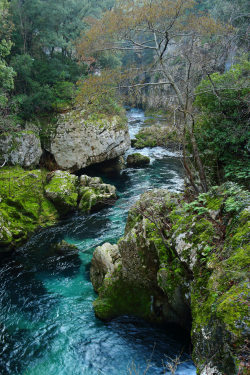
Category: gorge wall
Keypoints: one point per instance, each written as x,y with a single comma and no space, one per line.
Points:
185,262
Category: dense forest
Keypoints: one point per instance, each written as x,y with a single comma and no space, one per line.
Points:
71,74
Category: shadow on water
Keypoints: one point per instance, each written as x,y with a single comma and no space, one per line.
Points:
47,322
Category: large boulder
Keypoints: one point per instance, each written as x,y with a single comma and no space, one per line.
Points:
106,259
94,194
137,160
71,193
62,190
22,148
186,263
80,142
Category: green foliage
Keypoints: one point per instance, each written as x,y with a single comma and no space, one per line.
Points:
43,54
98,96
222,130
6,72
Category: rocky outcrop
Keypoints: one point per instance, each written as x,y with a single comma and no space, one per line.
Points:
137,160
80,142
70,193
64,247
94,194
22,148
105,261
34,199
184,262
62,190
23,206
157,135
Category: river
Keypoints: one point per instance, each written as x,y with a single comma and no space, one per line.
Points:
47,323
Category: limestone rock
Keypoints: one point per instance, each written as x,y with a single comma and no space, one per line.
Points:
62,190
64,247
79,143
94,194
106,259
137,160
194,268
23,149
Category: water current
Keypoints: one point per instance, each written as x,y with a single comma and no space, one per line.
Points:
47,323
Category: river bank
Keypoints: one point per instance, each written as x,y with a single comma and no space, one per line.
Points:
48,323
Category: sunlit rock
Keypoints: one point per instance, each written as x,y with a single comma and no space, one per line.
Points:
80,142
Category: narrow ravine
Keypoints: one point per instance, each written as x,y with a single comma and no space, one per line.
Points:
47,323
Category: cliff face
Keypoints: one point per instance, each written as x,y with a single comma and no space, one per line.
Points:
80,142
184,262
22,148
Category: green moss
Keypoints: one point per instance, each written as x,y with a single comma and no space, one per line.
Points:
157,135
23,205
62,190
233,308
88,199
120,298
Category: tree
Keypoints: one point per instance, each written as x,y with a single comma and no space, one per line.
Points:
222,129
43,54
172,30
6,72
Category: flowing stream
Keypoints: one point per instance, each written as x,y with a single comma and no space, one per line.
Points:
47,323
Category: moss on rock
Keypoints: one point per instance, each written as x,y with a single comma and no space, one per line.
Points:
137,160
94,194
24,207
157,135
121,298
62,190
197,254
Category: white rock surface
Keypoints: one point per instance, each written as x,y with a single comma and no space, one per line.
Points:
79,142
106,259
210,370
22,148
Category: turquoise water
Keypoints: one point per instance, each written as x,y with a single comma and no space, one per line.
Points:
47,323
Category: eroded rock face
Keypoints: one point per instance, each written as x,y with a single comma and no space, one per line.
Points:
106,259
23,149
79,143
177,257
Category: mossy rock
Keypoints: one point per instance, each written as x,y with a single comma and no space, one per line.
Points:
202,251
137,160
64,247
119,298
94,194
23,206
157,135
62,190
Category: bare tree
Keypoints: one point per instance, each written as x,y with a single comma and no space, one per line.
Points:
172,31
